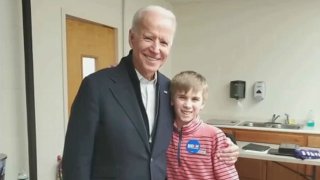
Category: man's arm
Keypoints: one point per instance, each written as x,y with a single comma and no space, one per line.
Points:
232,138
229,154
222,170
79,141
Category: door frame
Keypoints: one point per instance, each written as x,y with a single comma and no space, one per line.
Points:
64,14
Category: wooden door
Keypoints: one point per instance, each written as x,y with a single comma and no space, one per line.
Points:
87,40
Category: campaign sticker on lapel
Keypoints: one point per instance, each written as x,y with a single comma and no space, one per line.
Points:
193,146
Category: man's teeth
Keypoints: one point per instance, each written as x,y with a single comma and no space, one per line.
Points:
152,59
186,112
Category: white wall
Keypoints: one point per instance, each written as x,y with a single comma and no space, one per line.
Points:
49,73
13,121
276,41
49,64
48,21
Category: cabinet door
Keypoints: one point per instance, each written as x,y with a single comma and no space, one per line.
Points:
251,169
314,141
313,171
271,137
280,171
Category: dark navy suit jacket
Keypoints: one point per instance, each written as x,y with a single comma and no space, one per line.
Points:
107,137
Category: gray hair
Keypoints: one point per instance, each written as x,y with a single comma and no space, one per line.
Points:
152,8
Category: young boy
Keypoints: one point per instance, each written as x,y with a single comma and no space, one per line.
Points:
192,150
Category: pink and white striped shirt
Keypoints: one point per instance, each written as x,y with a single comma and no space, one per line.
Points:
192,154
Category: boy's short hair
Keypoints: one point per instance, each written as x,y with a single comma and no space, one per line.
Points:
189,80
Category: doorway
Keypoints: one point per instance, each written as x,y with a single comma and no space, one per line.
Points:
90,47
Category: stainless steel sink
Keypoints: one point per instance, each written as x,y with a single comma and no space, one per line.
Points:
271,125
222,122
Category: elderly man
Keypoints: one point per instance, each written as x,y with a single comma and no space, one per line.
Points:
121,119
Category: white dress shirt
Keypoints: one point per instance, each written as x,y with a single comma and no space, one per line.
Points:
148,94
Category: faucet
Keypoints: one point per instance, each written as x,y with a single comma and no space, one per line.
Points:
274,118
287,118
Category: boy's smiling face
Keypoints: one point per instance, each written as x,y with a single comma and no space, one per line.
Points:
187,106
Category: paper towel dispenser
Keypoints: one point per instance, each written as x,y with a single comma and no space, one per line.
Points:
237,89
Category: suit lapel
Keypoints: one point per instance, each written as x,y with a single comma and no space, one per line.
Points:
164,118
124,93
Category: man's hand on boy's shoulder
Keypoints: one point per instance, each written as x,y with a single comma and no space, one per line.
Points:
229,154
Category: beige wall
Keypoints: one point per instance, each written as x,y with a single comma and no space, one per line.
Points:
13,122
275,41
49,73
49,57
49,62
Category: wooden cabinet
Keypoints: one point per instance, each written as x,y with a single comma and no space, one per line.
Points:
270,137
314,141
278,170
251,169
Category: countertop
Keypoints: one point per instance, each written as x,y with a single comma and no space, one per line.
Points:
236,124
269,157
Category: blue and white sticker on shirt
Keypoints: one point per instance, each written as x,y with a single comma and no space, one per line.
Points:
193,146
